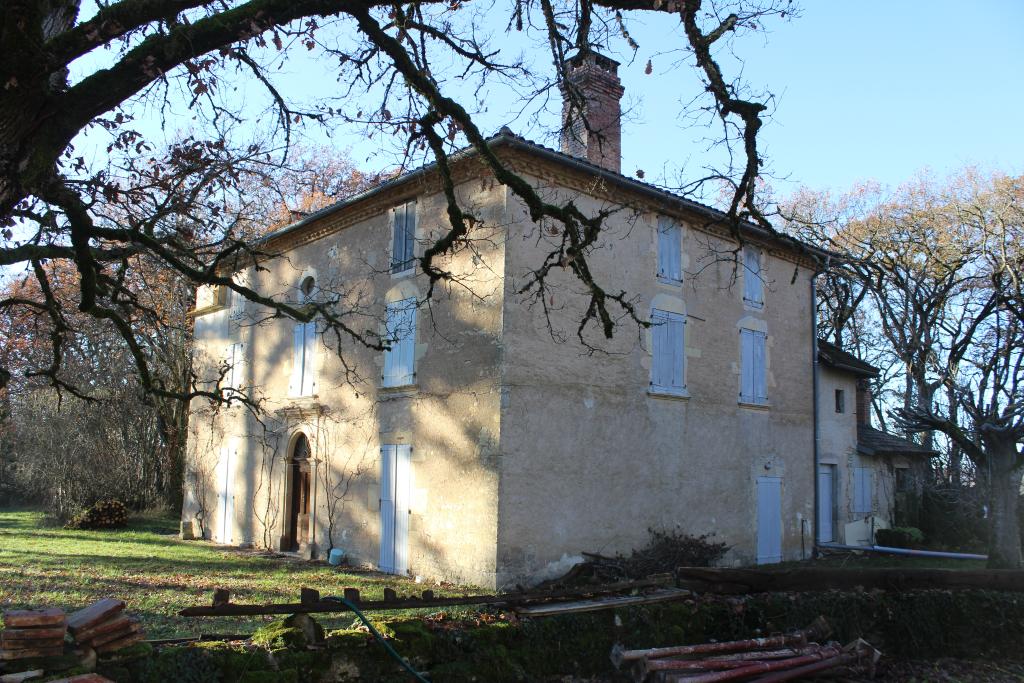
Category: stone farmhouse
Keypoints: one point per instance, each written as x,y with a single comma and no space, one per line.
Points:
480,447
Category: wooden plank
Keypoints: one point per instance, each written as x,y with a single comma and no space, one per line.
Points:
328,606
30,633
721,580
8,655
27,618
597,604
121,643
118,622
101,610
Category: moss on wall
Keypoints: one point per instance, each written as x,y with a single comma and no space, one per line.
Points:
918,624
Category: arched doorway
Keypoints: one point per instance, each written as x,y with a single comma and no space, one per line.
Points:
296,528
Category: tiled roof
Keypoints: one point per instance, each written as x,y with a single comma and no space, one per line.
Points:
834,357
506,137
871,441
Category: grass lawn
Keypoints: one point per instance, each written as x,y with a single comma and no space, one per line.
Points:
156,574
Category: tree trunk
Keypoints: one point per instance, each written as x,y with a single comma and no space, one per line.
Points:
1004,550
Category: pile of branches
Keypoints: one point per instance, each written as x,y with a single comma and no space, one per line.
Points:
106,514
664,552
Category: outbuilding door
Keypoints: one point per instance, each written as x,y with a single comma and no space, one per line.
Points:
769,520
826,503
395,487
226,495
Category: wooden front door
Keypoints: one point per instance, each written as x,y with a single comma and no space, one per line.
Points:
395,491
296,533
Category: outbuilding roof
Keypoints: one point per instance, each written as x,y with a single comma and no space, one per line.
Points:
834,357
871,441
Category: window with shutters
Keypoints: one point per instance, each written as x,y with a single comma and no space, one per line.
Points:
753,284
303,379
668,351
670,248
840,401
400,336
753,373
862,491
403,240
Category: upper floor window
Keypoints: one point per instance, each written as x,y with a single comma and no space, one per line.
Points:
753,375
753,285
670,246
403,240
303,379
400,356
840,401
669,352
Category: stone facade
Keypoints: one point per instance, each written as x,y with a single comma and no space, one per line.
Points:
525,450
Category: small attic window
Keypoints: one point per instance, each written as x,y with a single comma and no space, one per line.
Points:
840,401
306,288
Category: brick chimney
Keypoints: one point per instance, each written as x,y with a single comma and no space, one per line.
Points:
863,402
599,140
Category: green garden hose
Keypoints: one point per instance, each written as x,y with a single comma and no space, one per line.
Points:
380,639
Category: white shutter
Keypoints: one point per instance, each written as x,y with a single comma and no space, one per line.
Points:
760,368
403,493
236,377
400,358
298,348
386,561
661,360
677,327
390,354
309,358
752,283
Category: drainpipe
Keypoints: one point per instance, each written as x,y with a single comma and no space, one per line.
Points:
814,392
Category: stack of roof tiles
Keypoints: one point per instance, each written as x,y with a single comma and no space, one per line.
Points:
105,626
33,633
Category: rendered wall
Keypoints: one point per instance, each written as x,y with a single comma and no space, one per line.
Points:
450,417
591,460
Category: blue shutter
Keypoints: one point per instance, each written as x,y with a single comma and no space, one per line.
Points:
760,368
752,284
667,352
669,248
747,366
403,242
862,494
410,233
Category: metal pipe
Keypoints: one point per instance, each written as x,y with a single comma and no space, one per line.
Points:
815,513
903,551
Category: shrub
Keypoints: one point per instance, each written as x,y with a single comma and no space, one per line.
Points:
900,537
670,549
106,514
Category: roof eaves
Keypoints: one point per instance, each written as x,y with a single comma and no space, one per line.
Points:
506,137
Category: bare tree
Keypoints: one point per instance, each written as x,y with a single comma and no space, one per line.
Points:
941,265
184,206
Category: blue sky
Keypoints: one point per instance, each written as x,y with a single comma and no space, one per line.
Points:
867,90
